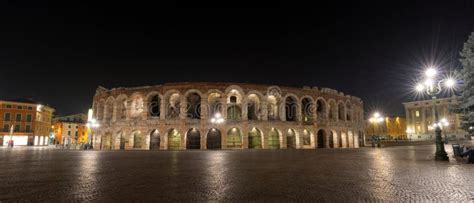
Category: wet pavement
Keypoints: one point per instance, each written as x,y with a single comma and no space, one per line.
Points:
387,174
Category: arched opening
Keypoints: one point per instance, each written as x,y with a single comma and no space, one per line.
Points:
350,139
106,141
348,112
307,110
121,140
137,140
272,108
173,106
234,139
332,110
321,109
339,140
273,139
213,140
290,109
137,107
174,140
155,140
215,104
306,138
154,106
100,110
255,139
342,114
234,112
253,107
121,109
331,139
193,106
321,138
109,110
193,139
291,139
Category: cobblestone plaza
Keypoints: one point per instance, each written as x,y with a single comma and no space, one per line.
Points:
365,174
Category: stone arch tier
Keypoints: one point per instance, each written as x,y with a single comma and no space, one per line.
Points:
252,110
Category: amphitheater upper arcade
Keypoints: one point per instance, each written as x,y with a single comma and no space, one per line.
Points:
178,116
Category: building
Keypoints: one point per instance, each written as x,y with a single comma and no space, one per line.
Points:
70,130
31,122
178,116
391,128
420,116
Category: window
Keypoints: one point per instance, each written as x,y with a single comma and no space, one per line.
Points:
417,113
76,135
17,128
7,117
19,107
77,127
28,118
6,128
68,132
9,106
69,126
28,128
18,117
30,108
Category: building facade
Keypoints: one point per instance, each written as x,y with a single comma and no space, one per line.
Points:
31,122
180,116
420,116
70,130
391,128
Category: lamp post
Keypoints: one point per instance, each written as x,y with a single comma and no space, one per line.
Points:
432,86
92,124
375,120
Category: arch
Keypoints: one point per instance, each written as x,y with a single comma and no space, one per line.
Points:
106,141
291,139
331,139
272,108
321,108
350,139
307,109
100,109
121,107
290,108
234,138
332,110
234,112
343,139
155,139
109,109
234,101
253,106
120,140
173,105
193,139
214,100
154,105
234,90
273,139
306,138
361,139
339,140
321,138
348,111
255,139
136,105
137,139
214,139
193,105
174,139
341,110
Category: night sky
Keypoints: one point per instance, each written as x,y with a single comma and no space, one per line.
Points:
59,54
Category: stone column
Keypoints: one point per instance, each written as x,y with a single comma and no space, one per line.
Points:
245,110
114,113
204,108
264,109
182,108
146,109
163,108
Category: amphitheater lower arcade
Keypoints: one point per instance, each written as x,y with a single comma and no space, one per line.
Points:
181,116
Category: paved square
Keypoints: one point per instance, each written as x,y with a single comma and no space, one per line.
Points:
388,174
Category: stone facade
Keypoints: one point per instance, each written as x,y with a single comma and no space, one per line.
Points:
420,117
177,116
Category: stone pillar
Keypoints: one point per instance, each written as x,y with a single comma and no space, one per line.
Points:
146,109
224,107
182,108
203,133
356,141
204,108
264,109
114,113
163,108
299,116
245,135
245,110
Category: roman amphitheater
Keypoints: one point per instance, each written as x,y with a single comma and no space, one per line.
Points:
180,116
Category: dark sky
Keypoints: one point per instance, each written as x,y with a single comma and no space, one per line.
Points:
60,53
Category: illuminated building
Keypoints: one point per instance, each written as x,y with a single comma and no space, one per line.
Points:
388,128
70,130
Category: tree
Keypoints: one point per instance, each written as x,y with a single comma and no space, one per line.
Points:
466,105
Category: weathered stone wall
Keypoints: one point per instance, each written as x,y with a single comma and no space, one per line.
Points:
318,117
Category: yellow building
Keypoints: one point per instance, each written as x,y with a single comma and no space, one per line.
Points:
390,128
70,130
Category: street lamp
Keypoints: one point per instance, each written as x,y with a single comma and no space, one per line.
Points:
217,119
92,124
375,120
433,86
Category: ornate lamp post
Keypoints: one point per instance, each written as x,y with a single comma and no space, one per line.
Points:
375,120
433,86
